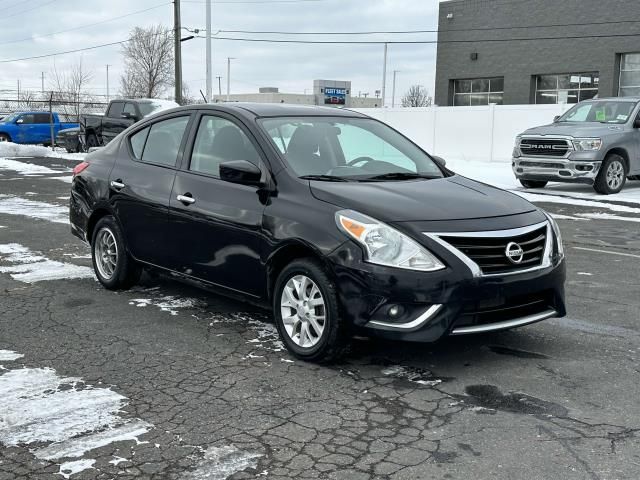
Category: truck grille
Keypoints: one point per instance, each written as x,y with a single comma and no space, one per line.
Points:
552,165
490,253
544,147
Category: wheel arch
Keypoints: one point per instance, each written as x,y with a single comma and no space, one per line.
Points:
284,255
8,135
98,213
621,152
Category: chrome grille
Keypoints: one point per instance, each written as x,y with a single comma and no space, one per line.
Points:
544,147
490,253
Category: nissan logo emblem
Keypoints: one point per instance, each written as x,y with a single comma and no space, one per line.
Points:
514,253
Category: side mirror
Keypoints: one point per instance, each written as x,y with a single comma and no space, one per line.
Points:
556,118
440,161
240,171
128,116
20,121
636,123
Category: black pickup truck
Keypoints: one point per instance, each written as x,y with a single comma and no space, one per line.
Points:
97,130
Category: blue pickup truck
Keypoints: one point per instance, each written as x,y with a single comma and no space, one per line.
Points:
31,127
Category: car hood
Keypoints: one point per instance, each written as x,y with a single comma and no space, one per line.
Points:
452,198
576,129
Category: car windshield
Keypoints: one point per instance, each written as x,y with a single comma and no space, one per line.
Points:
341,148
600,111
10,118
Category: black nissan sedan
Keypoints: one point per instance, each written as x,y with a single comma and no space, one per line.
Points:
335,221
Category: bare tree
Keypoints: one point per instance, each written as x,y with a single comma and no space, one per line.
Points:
70,87
417,96
148,59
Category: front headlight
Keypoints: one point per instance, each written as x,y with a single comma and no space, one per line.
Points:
587,144
385,245
559,248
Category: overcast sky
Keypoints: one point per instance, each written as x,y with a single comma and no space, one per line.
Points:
290,67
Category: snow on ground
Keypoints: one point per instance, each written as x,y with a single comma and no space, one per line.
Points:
220,463
25,266
39,406
27,169
499,174
10,149
9,356
11,205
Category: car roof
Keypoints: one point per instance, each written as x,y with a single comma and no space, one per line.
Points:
615,99
274,110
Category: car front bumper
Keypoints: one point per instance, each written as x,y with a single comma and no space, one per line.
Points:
579,170
452,301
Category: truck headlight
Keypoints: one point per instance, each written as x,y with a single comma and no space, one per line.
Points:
516,149
385,245
587,144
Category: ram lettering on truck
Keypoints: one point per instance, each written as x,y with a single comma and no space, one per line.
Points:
31,127
597,142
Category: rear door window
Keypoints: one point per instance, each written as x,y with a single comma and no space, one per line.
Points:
163,142
41,118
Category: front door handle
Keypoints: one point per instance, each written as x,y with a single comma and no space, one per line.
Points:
187,199
117,184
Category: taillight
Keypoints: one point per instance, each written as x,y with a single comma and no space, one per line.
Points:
81,167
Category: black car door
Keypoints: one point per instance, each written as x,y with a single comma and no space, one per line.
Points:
216,225
141,183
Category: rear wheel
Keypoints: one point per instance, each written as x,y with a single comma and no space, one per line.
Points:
533,183
612,175
113,265
4,137
306,311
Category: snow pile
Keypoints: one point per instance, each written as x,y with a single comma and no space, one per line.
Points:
27,267
10,205
10,149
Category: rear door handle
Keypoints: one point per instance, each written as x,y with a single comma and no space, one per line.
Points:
186,199
117,184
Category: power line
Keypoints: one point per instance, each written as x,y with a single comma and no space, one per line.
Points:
239,2
85,26
28,10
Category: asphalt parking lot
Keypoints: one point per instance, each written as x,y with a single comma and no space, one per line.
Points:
169,382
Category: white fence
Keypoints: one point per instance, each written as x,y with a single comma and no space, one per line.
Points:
484,133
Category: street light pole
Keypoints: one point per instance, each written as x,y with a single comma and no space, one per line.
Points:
393,92
229,77
384,74
108,82
177,31
208,50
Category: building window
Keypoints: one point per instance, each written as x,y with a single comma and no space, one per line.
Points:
567,88
479,91
630,75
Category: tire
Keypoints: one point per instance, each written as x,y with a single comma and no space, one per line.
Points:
4,137
121,272
92,141
612,175
533,183
333,341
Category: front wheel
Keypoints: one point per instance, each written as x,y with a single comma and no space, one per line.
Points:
612,175
533,183
4,137
113,265
305,306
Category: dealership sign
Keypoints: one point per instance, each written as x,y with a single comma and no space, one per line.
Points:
335,96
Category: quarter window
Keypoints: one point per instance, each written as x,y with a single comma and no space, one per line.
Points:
479,91
163,141
567,87
630,75
137,142
220,140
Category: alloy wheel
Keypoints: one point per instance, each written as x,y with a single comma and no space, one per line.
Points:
615,175
304,312
106,253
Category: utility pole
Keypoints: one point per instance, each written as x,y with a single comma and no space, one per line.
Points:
219,86
18,89
108,82
42,78
393,92
209,72
229,76
177,32
384,74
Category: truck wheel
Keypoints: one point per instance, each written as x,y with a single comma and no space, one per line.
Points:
533,183
92,141
4,137
612,175
305,306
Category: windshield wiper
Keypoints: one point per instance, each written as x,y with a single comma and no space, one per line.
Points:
400,176
324,178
